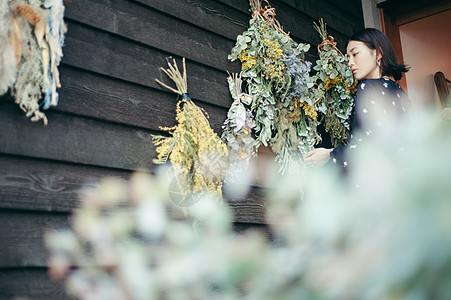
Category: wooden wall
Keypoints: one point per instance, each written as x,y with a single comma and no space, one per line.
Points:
110,103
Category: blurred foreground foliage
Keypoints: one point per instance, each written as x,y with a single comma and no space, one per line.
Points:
380,232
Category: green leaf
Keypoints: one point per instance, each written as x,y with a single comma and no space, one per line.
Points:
243,39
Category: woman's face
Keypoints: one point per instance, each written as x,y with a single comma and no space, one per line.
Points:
362,60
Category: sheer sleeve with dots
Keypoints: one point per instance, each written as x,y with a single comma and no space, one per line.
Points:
376,101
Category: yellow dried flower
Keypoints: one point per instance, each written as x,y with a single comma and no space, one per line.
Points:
248,61
272,47
309,110
330,83
351,89
242,55
295,114
189,148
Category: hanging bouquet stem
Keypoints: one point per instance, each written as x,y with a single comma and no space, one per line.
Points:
267,14
179,79
196,153
327,40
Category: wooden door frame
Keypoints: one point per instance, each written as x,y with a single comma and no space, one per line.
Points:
395,13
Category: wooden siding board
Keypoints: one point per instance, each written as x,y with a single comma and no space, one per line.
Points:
242,5
348,8
104,54
75,139
339,19
22,235
156,30
301,28
353,7
43,185
29,283
344,18
251,208
101,97
209,15
22,232
181,41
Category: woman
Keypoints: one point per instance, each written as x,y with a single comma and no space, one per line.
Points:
373,63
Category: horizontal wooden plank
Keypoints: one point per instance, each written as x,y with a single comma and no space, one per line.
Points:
29,283
293,21
112,56
22,235
22,232
326,8
75,139
250,208
196,43
78,11
209,15
243,227
300,26
101,97
44,185
354,7
150,27
349,14
242,5
338,18
297,20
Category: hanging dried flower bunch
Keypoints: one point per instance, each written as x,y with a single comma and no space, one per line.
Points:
336,87
31,37
197,154
277,77
237,128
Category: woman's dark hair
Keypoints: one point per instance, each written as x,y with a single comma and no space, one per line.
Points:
375,39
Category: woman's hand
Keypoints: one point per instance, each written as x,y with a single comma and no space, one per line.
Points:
317,157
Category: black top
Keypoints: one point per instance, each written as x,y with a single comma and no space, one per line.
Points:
375,102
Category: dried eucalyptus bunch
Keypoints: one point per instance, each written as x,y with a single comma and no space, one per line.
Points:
336,87
277,77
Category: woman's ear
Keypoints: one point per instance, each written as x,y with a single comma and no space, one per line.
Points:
379,54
